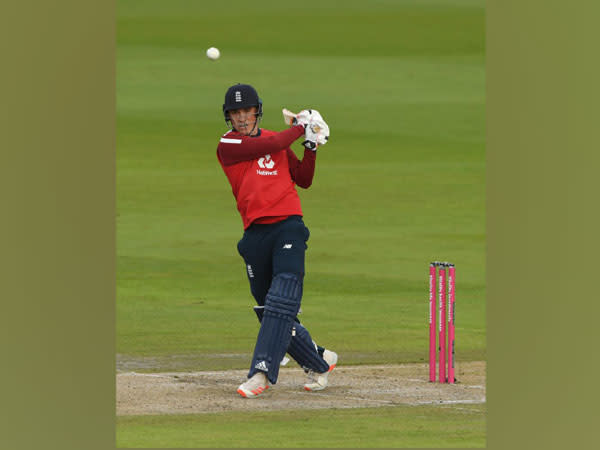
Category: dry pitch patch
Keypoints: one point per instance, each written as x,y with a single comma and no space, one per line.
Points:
349,387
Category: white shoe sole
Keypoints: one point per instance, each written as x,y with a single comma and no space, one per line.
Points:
246,393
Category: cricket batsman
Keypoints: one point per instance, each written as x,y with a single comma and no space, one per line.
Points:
263,172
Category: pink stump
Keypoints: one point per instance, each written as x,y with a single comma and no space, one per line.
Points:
432,322
442,326
451,317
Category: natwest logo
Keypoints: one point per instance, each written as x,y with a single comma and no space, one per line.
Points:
266,162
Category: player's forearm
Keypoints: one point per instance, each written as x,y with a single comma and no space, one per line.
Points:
245,148
302,172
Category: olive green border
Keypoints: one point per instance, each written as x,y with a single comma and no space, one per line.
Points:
58,239
539,224
58,228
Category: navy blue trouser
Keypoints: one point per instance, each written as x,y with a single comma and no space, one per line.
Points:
274,257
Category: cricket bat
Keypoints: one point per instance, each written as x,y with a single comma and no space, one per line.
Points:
288,116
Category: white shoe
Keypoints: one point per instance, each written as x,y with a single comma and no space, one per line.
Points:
255,385
318,381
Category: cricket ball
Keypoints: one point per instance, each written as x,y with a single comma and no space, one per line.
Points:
213,53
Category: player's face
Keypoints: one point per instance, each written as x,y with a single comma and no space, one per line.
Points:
244,119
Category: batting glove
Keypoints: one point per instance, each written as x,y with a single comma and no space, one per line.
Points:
318,126
302,118
310,145
311,133
316,129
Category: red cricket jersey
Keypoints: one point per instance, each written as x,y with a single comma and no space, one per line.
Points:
263,172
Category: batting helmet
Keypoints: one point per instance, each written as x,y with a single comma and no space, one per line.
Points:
241,96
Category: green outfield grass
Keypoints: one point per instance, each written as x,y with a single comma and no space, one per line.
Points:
389,427
401,183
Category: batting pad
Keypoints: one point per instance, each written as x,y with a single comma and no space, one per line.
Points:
304,351
302,348
281,306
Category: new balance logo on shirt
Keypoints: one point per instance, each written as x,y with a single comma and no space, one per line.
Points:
287,246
